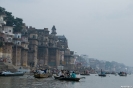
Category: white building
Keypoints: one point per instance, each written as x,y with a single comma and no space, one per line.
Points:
8,31
17,38
2,22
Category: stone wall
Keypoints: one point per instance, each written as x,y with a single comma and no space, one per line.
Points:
7,52
24,56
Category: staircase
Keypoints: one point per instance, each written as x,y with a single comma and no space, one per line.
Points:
12,68
7,67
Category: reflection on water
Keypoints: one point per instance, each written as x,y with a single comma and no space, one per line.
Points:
92,81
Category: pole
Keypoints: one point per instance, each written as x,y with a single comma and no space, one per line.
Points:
60,60
16,54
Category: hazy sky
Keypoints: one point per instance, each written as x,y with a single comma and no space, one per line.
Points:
102,29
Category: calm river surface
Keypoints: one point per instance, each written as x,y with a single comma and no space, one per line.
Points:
92,81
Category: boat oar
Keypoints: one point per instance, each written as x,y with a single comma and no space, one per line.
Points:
82,77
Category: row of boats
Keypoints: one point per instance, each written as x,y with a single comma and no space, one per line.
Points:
103,74
46,75
41,75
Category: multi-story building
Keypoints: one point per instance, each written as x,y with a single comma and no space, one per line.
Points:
24,43
50,49
7,48
2,35
43,45
20,48
17,49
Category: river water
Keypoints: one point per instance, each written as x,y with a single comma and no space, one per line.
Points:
92,81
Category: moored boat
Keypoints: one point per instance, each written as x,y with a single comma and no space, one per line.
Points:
86,73
103,75
66,79
8,73
122,74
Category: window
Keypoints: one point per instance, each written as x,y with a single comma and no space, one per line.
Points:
34,36
9,39
10,31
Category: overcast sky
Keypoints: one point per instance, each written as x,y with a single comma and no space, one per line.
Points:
102,29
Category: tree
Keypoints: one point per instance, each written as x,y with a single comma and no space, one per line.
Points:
17,23
2,10
9,19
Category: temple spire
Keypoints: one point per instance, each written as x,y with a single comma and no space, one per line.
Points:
53,30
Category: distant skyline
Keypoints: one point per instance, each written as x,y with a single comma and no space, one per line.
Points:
101,29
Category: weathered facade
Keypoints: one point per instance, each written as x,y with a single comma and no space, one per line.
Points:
33,47
24,44
43,46
2,36
20,48
7,48
17,49
50,49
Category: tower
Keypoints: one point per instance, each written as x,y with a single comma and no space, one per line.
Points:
7,49
17,49
43,46
25,43
33,47
53,31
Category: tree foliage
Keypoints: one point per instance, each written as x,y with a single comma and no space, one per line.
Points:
2,10
17,23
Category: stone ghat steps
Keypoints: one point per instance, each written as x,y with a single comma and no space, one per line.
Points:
7,67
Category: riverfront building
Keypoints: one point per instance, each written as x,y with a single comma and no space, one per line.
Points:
34,47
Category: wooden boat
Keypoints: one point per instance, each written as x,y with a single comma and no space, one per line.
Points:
8,73
39,75
67,79
122,74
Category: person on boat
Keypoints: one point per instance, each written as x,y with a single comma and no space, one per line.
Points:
49,71
68,74
61,74
45,70
73,75
40,71
65,73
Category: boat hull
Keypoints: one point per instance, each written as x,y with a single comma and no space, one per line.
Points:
41,75
122,74
13,74
85,74
102,75
67,79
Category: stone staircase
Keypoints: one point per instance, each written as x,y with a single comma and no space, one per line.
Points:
7,67
12,68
